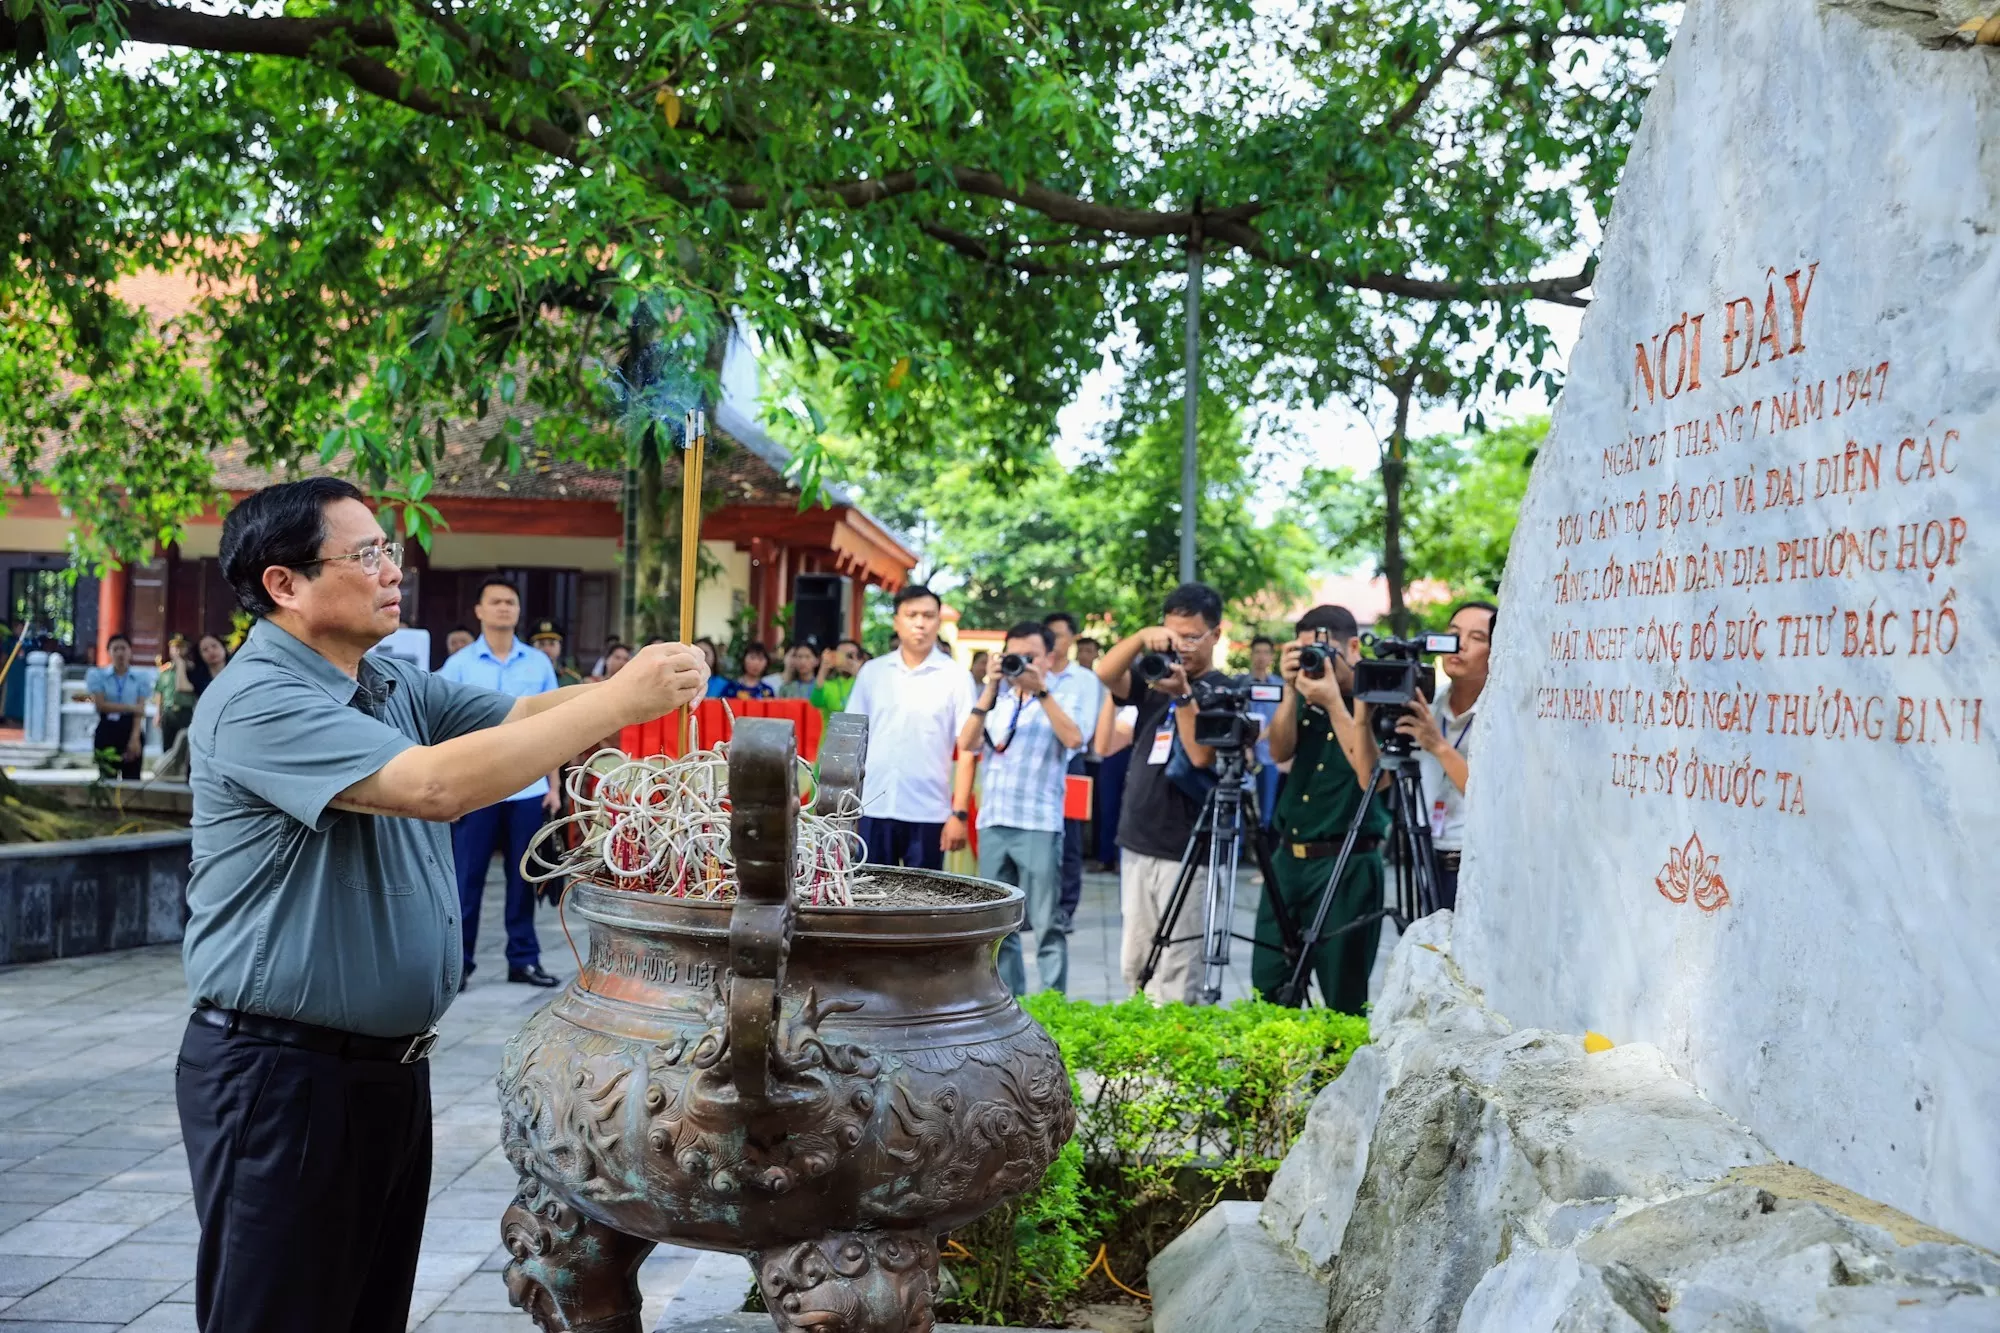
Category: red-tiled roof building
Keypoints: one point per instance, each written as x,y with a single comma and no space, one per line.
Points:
555,529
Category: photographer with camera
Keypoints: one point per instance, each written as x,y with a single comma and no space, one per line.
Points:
1321,732
1024,730
1157,671
1441,734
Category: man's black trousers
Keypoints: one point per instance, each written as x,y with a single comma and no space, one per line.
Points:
311,1176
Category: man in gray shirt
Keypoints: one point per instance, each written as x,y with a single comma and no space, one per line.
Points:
323,939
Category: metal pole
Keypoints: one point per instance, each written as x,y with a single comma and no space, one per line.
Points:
1189,472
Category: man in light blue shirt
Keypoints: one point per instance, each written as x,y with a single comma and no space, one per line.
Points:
1267,691
119,692
496,660
1024,730
1067,676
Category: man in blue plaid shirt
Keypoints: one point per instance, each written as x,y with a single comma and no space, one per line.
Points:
1024,733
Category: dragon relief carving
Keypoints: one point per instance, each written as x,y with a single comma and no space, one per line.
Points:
852,1282
822,1096
953,1147
565,1108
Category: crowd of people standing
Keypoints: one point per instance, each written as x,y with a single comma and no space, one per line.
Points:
1006,742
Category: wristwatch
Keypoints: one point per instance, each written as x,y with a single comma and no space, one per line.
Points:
1041,695
962,816
977,711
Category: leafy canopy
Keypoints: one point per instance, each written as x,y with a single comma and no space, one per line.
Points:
1461,497
413,211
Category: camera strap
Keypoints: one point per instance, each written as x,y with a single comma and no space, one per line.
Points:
1013,725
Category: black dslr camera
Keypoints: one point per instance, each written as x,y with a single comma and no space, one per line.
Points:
1012,664
1390,680
1314,657
1156,666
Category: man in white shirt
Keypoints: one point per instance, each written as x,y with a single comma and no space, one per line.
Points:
1079,678
1444,739
915,699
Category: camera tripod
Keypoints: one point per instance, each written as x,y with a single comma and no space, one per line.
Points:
1222,823
1411,852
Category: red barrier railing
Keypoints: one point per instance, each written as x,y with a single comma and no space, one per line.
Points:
712,723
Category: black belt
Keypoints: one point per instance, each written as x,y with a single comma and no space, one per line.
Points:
311,1037
1313,851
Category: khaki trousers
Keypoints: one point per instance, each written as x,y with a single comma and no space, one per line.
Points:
1145,884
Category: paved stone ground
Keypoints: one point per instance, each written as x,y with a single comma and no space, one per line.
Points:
97,1229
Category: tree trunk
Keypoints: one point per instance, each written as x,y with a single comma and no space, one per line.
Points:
1395,468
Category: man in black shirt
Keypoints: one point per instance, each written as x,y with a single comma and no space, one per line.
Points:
1160,809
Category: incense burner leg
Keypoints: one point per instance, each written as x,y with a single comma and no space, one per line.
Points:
852,1282
570,1274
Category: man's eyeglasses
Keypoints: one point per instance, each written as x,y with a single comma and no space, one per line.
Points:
371,557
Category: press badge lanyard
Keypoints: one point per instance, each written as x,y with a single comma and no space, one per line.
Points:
1437,803
1163,739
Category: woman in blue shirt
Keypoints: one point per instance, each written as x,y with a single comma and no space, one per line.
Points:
751,683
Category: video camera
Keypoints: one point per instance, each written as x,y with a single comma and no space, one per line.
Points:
1389,681
1223,720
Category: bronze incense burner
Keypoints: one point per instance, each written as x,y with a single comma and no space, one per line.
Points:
825,1089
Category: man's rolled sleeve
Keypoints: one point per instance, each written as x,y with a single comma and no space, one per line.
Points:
292,745
448,708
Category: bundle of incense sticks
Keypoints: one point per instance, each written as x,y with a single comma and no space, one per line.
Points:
660,825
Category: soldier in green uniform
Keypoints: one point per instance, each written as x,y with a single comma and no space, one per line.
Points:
1315,727
548,638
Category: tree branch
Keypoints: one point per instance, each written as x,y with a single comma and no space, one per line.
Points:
1558,291
974,248
241,34
1470,38
1231,226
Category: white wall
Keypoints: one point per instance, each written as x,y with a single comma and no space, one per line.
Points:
1845,999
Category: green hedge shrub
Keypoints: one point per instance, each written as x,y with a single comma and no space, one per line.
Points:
1176,1107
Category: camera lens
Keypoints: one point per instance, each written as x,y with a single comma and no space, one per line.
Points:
1013,664
1312,660
1153,666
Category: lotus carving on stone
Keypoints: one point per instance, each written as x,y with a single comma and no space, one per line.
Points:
1690,874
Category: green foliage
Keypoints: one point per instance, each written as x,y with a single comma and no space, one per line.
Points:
1461,498
411,214
1024,1261
1177,1106
878,622
1101,539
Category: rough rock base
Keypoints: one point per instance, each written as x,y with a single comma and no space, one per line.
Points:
1227,1274
1464,1175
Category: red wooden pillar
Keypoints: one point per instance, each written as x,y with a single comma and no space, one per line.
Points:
761,552
774,597
110,611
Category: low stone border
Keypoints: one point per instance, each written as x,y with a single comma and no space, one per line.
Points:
64,899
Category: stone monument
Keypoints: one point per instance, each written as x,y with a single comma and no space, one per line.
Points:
1734,773
1753,609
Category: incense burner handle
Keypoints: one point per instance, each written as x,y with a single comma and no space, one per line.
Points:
763,814
843,752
